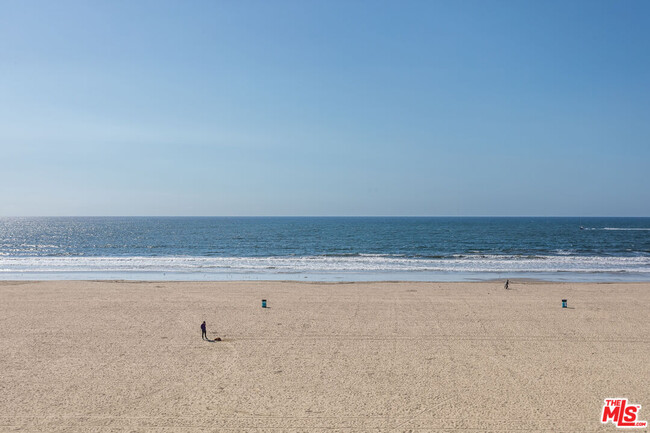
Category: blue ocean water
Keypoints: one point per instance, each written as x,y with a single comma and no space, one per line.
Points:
326,249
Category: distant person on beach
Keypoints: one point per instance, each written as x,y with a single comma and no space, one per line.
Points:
204,336
506,286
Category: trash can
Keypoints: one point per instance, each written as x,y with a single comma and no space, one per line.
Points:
563,303
263,303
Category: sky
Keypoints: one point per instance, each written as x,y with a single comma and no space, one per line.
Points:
474,108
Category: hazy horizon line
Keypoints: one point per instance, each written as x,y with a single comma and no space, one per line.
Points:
325,216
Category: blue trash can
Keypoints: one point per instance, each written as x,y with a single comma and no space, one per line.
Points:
563,303
263,303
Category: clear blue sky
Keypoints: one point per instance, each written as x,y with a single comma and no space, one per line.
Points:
325,108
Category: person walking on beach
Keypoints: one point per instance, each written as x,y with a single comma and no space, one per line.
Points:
204,336
506,286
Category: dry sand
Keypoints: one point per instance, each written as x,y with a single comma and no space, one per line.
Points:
128,356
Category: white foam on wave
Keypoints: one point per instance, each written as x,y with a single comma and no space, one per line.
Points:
618,228
327,264
627,228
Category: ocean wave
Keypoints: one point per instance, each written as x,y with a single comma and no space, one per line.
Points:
618,228
368,263
627,228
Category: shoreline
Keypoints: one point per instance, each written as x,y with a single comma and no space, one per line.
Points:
514,280
347,277
330,282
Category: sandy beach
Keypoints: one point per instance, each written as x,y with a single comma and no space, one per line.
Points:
436,357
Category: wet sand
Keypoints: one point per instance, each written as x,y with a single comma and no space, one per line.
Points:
426,357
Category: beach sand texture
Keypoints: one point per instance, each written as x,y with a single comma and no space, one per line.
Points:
426,357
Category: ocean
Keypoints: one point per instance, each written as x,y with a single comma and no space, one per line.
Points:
325,248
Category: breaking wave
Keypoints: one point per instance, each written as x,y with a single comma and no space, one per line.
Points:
366,263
